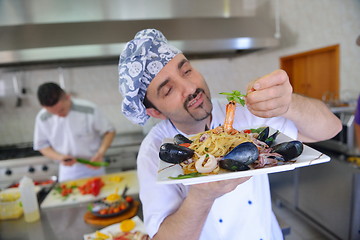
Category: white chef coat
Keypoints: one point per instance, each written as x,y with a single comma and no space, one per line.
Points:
244,213
79,134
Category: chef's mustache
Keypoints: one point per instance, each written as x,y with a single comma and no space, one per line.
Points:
192,96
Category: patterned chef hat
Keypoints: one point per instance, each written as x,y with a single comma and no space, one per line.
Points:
141,60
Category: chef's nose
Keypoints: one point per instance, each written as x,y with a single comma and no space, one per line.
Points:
188,87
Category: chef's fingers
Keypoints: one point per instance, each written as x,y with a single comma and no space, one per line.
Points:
267,94
274,78
250,86
271,108
68,161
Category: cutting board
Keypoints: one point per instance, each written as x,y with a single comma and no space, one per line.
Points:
127,178
103,222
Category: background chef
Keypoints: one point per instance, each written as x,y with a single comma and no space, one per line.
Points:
67,128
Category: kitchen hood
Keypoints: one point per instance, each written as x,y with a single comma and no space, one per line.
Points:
45,39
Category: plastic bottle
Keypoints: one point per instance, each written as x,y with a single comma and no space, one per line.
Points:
29,199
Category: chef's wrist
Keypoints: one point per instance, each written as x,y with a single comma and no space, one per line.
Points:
101,151
100,155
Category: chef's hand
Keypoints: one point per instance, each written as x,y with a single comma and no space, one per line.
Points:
68,160
212,190
270,95
98,157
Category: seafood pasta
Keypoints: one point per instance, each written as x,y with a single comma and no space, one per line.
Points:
227,148
210,146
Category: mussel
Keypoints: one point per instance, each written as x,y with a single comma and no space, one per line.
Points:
245,153
179,139
289,150
264,134
173,153
270,140
233,165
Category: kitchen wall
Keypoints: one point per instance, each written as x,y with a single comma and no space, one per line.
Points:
305,25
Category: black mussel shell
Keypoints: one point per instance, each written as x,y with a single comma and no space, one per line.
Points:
289,150
173,153
264,134
270,140
233,165
179,139
245,153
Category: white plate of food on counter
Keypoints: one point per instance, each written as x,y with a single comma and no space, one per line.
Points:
129,229
221,154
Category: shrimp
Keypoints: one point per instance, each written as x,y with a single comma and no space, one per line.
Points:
229,118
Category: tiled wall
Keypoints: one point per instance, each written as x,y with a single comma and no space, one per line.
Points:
305,25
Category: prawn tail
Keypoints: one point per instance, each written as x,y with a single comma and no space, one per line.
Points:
229,118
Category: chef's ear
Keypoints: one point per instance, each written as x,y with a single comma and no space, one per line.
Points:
155,113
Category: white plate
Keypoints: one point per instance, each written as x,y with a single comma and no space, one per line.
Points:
308,157
115,229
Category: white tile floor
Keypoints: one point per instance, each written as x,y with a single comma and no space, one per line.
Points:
299,228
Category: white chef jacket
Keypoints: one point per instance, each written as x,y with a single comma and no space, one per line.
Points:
244,213
79,134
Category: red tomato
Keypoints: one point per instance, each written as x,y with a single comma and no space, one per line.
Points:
122,206
103,211
92,186
185,144
116,210
129,199
247,131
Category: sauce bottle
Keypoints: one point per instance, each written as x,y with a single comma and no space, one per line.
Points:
29,199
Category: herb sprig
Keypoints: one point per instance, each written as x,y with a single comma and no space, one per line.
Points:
189,175
235,96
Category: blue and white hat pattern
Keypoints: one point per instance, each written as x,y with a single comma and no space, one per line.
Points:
141,60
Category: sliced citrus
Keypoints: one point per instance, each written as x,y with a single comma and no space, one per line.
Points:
101,235
127,225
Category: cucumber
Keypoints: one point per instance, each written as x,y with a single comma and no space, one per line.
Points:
95,164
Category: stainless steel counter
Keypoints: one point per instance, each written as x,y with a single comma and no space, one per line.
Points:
55,224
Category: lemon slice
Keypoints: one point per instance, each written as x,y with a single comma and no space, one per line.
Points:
127,225
101,235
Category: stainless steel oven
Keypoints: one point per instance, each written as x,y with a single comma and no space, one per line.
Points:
19,160
347,135
344,141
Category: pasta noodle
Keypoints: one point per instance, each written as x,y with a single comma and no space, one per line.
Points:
217,144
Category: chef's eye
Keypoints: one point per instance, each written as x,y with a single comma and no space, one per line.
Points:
167,92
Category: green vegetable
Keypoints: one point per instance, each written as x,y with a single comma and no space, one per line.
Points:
190,175
235,96
257,130
95,164
89,207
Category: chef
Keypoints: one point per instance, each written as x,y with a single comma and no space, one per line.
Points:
67,128
157,80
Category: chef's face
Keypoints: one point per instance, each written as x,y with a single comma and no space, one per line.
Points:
180,92
62,107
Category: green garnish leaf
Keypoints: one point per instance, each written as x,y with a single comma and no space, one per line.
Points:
226,93
257,130
190,175
235,96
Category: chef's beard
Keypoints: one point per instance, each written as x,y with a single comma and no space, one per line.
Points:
191,97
